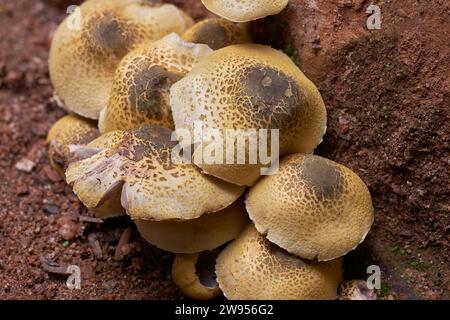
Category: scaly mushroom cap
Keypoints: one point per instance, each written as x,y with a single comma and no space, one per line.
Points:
66,131
356,290
140,93
217,33
83,60
252,268
249,87
194,275
208,232
245,10
153,187
313,207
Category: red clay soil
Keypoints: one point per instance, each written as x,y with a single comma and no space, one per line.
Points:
387,94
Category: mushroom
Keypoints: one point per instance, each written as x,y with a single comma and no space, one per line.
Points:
252,268
208,232
140,92
194,275
69,130
139,163
248,87
84,57
356,290
245,10
313,207
217,33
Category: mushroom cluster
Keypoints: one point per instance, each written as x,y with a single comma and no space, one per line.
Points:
137,78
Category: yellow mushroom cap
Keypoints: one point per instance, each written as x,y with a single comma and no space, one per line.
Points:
194,276
217,33
313,207
249,87
84,57
140,92
252,268
69,130
208,232
153,187
245,10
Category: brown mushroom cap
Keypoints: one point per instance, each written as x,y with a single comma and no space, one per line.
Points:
140,93
82,62
67,131
194,275
208,232
217,33
313,207
245,10
153,187
252,268
249,87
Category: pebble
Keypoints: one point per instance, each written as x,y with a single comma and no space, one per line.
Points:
25,165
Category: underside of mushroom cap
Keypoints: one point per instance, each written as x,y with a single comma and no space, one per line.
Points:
313,207
217,33
194,275
153,186
245,10
67,131
252,268
249,87
140,92
208,232
84,57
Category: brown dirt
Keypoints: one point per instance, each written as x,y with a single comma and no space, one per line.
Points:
387,93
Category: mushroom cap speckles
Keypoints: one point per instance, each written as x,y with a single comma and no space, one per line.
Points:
208,232
217,33
153,187
245,10
313,207
83,60
69,130
250,87
140,92
252,268
189,271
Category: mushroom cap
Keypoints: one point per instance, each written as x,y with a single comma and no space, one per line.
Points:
153,187
83,60
140,92
217,33
249,87
313,207
356,290
67,131
245,10
194,276
252,268
208,232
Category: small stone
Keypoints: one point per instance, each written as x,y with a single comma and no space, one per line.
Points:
53,175
25,165
68,228
51,208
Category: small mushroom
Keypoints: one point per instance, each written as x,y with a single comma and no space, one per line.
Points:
84,57
140,92
356,290
69,130
248,87
217,33
138,164
252,268
194,275
313,207
245,10
208,232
